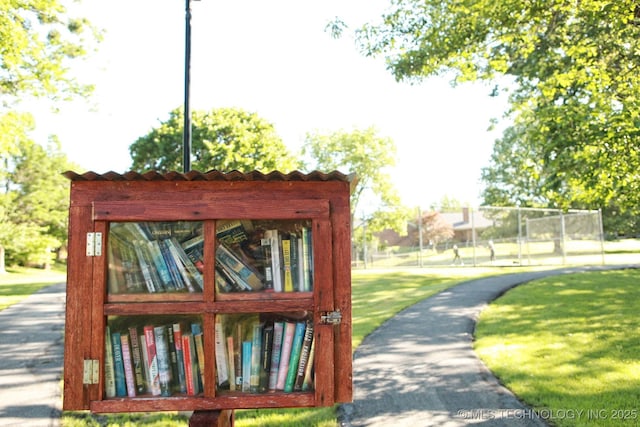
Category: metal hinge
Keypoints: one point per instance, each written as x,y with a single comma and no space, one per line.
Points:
91,372
331,317
94,244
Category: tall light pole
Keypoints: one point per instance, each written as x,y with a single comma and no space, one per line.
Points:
186,134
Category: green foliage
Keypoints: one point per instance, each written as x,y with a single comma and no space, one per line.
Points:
224,139
34,197
563,342
38,42
368,156
575,89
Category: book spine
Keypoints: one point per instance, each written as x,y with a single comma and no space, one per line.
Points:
275,260
307,259
286,265
109,370
276,346
152,361
189,355
246,366
304,356
177,338
222,365
307,383
285,354
136,357
237,355
118,364
256,354
265,246
232,365
296,347
229,260
265,359
196,330
164,364
173,358
128,365
145,364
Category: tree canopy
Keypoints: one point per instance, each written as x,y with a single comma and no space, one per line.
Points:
225,139
39,40
574,85
370,156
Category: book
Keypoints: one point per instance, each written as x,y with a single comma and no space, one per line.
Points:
145,364
307,383
276,348
232,362
177,338
118,364
307,260
246,366
164,275
304,356
190,364
233,231
295,254
285,354
265,359
237,355
296,347
222,364
234,264
163,358
152,361
286,265
109,372
136,359
273,236
191,277
267,267
256,354
196,330
129,377
173,358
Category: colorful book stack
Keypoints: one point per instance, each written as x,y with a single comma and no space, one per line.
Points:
264,356
157,360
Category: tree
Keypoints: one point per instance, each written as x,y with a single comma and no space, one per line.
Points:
225,139
361,152
575,96
34,199
369,157
38,42
435,228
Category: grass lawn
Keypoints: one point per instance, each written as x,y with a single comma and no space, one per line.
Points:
568,346
18,283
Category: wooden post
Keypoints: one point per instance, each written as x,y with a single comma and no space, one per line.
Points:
211,419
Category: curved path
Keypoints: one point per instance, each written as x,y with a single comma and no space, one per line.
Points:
31,359
419,368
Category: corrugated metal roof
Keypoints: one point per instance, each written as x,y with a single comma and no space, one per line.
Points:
213,175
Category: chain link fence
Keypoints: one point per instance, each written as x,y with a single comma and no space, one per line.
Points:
485,236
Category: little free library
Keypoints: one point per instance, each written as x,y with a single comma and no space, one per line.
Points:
208,292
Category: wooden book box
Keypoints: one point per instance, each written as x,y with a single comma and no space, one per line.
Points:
208,291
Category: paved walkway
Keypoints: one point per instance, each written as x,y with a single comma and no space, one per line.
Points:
31,359
419,368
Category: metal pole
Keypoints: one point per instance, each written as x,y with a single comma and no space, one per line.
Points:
186,133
